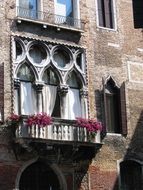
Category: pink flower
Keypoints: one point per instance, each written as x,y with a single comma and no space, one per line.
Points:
90,124
40,119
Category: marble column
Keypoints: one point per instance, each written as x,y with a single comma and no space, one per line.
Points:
84,102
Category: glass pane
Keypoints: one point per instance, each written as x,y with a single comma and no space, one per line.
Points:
112,113
72,80
25,73
64,8
18,50
28,4
62,58
50,77
38,54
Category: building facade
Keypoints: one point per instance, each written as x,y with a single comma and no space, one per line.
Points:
71,59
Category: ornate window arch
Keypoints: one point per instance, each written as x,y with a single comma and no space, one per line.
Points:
54,73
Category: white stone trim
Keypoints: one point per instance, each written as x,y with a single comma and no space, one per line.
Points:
115,17
113,45
129,63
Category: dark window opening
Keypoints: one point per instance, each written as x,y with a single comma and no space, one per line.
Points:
56,110
131,175
115,108
113,113
39,176
138,13
106,13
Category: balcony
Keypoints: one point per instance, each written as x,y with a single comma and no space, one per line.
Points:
49,19
62,141
59,130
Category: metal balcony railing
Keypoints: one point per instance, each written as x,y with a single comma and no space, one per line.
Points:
62,130
49,18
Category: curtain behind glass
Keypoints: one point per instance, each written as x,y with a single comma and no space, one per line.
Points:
73,104
28,99
49,98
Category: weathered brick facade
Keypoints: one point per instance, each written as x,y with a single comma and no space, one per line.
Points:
116,53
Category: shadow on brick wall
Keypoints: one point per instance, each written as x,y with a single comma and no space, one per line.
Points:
131,167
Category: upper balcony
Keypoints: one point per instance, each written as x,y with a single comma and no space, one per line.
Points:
49,19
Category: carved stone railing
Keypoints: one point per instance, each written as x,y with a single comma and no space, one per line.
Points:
49,18
61,130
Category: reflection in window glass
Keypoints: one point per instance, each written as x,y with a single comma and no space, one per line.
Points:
72,80
64,8
49,77
61,58
38,54
18,50
25,73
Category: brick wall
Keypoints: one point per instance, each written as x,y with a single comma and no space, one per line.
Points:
117,53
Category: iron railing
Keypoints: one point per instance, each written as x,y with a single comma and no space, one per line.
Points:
60,129
49,18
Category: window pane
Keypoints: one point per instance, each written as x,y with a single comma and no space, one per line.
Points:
50,77
25,73
64,8
112,113
28,4
106,13
73,81
38,54
62,58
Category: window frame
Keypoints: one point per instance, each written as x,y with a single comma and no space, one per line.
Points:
75,11
121,106
114,17
39,6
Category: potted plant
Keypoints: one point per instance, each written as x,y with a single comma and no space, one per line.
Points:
13,122
40,119
91,125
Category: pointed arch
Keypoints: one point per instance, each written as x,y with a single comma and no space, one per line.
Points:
54,73
79,77
28,68
25,95
51,99
75,83
111,80
114,106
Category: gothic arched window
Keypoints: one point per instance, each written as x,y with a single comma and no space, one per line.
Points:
114,107
73,96
51,99
26,102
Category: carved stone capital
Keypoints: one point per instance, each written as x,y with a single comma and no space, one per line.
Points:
84,93
38,87
62,89
16,83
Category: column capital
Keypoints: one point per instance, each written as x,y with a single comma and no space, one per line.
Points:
84,92
62,89
38,86
16,83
